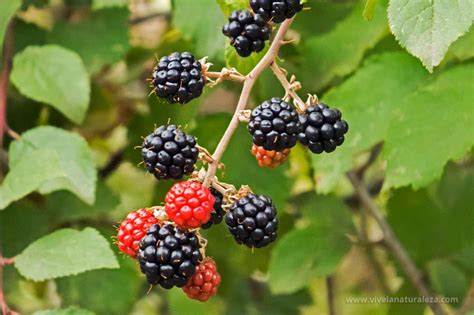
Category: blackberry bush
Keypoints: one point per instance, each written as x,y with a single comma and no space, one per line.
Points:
178,78
169,153
247,32
252,221
276,10
323,128
168,256
218,212
274,125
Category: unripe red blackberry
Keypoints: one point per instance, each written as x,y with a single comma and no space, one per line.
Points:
268,158
205,281
169,153
276,10
323,128
168,256
247,32
252,221
218,212
178,78
274,125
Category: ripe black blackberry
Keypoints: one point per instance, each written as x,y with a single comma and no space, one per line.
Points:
168,256
178,78
169,153
247,32
274,125
276,10
252,221
217,212
323,128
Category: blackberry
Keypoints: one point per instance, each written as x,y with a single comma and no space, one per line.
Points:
169,153
168,256
276,10
323,128
247,32
218,212
252,221
274,125
178,78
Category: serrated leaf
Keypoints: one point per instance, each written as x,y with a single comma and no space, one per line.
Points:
243,65
448,280
65,311
426,28
312,251
338,52
7,10
367,110
206,35
65,252
101,4
425,132
62,162
109,43
53,75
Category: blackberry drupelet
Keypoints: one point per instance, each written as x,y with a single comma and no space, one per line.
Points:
276,10
247,32
169,153
168,256
178,78
274,125
252,221
323,128
218,212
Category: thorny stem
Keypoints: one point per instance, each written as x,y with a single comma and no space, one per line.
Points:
225,76
249,81
4,77
393,244
280,74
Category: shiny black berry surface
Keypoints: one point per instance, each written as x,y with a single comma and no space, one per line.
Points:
168,256
252,221
276,10
218,212
274,125
178,78
169,153
323,128
247,32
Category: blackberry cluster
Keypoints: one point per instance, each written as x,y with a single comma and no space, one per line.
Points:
178,78
168,256
323,128
247,32
274,125
169,153
276,10
218,212
252,221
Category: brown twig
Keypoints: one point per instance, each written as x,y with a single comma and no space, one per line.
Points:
281,76
249,81
4,78
330,295
394,245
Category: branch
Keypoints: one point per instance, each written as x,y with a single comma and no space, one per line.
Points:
281,76
249,81
4,77
394,245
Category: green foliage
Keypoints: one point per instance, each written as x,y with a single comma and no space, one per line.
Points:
66,311
8,10
447,279
243,65
101,4
63,253
426,28
53,75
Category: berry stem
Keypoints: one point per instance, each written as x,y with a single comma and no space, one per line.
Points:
393,244
249,81
225,75
281,76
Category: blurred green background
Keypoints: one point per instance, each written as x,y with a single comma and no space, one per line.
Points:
78,95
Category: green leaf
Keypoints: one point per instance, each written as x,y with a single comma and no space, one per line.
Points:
109,43
367,110
65,252
243,65
406,308
426,28
7,10
101,4
421,132
180,304
448,280
65,311
227,6
315,250
207,37
463,48
63,162
329,55
53,75
369,9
